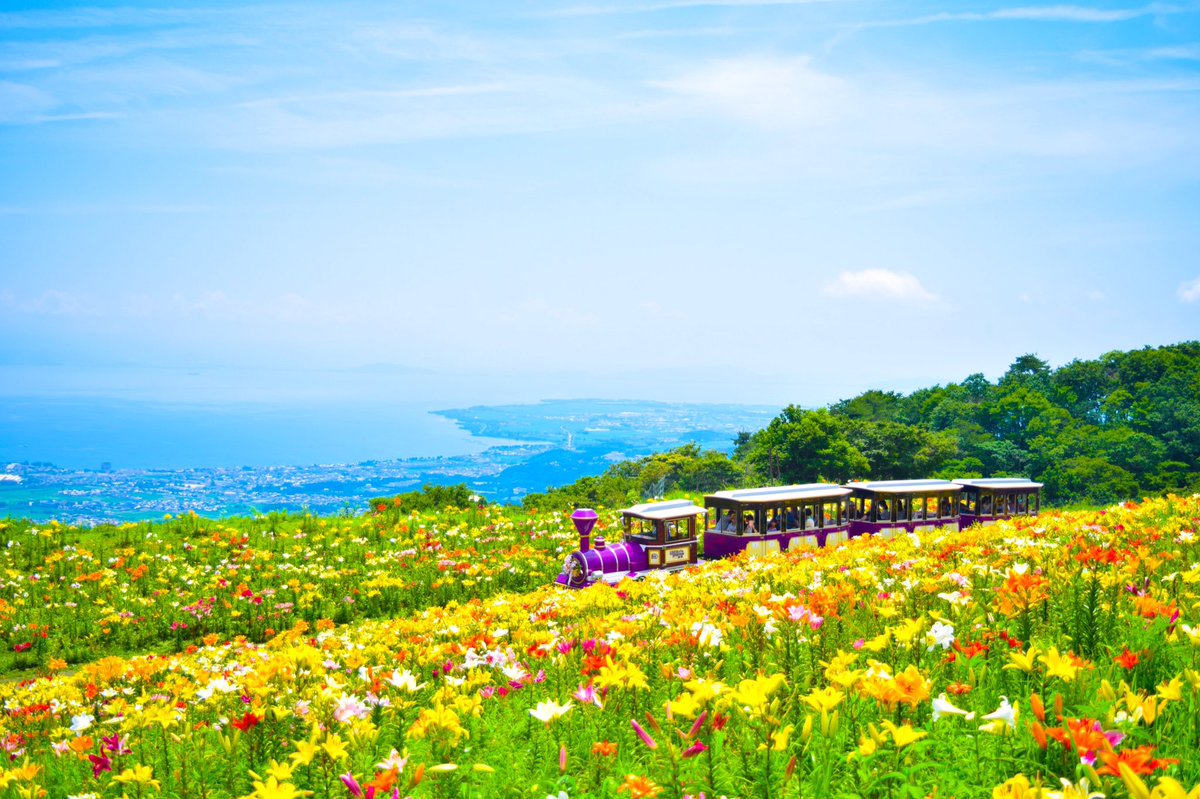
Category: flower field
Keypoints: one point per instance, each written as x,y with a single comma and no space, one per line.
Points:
71,595
1056,656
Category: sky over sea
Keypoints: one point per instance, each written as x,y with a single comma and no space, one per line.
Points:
773,201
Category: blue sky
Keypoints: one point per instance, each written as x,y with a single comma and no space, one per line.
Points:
745,201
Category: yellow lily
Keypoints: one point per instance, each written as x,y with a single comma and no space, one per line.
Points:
1023,661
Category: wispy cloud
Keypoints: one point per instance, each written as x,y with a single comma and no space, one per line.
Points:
878,284
1189,291
1183,52
671,5
1067,13
1056,13
53,303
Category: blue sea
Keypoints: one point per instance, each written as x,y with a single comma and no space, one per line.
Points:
179,418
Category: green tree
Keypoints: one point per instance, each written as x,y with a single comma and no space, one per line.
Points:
800,446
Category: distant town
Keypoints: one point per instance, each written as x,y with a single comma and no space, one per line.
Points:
552,443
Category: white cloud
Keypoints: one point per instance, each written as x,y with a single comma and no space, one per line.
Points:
1190,291
882,284
771,92
1064,13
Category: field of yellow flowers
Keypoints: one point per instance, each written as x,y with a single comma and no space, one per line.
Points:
1047,657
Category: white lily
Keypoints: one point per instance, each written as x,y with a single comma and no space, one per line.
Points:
942,707
940,634
549,710
1001,717
405,681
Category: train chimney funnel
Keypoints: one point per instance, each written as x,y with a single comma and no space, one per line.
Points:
584,520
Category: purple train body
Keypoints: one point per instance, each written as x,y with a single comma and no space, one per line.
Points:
662,536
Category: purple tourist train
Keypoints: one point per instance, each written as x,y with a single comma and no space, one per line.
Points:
663,536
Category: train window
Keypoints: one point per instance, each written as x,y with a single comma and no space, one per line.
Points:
644,528
775,520
677,529
791,518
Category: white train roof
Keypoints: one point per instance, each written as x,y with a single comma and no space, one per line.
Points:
999,482
774,495
907,486
672,509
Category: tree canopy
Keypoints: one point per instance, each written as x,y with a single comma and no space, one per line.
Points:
1123,425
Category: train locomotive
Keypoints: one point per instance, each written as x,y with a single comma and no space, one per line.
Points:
666,536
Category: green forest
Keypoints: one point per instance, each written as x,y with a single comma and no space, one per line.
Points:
1119,427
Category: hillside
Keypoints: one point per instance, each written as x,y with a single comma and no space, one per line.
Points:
1116,428
988,662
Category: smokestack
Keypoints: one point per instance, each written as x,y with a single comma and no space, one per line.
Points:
584,520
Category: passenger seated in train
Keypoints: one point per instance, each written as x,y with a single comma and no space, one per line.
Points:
985,506
773,525
793,519
725,523
749,528
944,506
810,523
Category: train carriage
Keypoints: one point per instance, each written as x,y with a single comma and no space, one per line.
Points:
774,519
893,507
984,500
